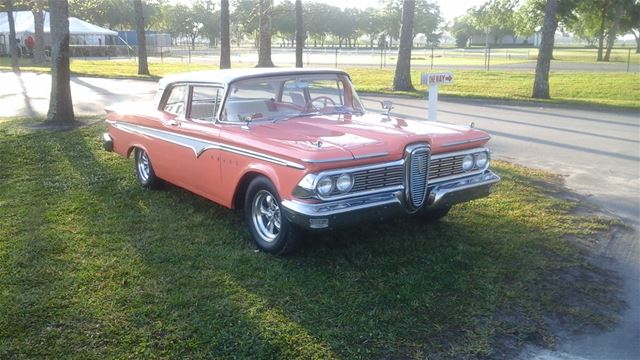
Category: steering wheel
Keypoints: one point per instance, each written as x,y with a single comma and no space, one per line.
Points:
324,99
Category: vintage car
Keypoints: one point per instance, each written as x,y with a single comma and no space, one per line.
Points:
295,149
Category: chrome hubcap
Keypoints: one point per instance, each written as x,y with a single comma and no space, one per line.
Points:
266,215
143,165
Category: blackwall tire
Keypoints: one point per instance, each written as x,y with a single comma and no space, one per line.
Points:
268,225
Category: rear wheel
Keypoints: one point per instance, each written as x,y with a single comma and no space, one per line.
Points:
269,227
144,170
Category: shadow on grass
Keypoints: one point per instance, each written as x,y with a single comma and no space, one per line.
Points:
170,274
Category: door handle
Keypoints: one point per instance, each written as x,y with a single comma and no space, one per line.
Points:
173,123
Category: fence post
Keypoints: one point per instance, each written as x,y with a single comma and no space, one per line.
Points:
381,50
488,58
628,59
432,56
189,51
336,66
161,58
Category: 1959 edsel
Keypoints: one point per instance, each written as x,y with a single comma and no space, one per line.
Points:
296,150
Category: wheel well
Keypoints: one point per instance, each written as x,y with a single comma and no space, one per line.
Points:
130,151
241,189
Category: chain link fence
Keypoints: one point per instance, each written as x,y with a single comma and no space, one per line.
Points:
566,59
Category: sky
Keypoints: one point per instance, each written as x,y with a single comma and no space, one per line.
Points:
448,8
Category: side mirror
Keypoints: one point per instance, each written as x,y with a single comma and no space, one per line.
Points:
387,105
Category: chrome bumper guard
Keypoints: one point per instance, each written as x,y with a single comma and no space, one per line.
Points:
372,207
107,142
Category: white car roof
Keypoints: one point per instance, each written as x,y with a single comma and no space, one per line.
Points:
229,75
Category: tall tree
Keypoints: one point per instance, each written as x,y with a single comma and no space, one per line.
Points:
543,64
38,25
13,45
402,78
299,34
60,104
619,9
264,50
143,67
225,41
631,22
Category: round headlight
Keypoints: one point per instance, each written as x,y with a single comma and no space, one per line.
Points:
481,160
344,183
467,163
325,186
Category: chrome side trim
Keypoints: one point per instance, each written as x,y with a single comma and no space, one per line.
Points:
461,142
199,146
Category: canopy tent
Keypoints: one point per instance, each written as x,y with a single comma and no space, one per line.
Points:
25,24
82,32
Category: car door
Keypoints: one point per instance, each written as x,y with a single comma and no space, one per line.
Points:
199,160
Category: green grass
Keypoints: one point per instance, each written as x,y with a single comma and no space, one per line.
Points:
604,89
93,266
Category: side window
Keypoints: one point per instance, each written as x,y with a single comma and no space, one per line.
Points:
175,102
205,101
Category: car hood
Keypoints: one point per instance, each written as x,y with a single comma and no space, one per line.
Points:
331,137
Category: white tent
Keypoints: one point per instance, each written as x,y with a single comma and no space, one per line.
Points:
82,32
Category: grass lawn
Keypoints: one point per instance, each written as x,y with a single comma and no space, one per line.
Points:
93,266
603,89
606,89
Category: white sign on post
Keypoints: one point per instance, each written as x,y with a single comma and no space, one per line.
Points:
433,80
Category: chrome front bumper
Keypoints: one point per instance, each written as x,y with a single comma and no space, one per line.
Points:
372,207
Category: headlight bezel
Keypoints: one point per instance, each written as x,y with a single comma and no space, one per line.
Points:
348,188
319,183
469,159
485,161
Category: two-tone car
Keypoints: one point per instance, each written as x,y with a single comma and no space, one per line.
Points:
296,150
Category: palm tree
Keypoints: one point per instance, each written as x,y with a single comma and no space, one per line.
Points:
225,42
402,78
541,83
60,104
299,34
143,67
264,50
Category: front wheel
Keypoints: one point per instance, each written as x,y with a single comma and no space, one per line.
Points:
269,227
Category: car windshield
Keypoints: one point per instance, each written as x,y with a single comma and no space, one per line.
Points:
280,98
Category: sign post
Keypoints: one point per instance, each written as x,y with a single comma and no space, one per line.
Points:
433,80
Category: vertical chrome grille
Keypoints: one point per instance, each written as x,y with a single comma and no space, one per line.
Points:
417,173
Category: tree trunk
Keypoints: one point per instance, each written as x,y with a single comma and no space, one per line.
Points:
225,41
143,67
264,50
300,35
13,45
38,24
60,104
618,10
637,37
543,64
402,78
603,16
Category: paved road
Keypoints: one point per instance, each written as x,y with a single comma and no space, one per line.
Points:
598,151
